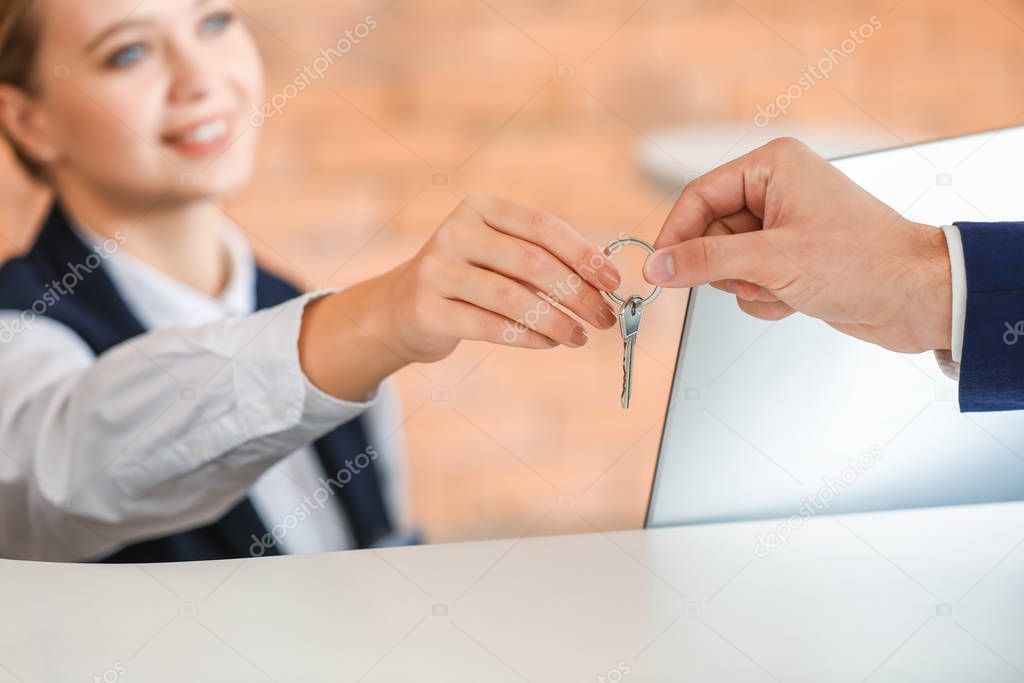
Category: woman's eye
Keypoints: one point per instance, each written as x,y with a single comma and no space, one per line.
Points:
215,23
127,56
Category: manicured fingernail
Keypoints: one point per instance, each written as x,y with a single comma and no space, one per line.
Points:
609,278
660,268
579,336
607,316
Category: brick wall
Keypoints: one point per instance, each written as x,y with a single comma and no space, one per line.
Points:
544,101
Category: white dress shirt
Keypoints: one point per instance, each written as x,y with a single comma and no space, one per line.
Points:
949,359
167,431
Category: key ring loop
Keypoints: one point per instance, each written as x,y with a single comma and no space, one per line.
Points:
638,243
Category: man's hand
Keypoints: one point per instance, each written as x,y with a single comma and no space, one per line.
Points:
785,231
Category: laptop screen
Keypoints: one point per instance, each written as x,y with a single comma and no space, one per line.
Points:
793,418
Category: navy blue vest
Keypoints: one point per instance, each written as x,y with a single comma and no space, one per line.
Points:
98,314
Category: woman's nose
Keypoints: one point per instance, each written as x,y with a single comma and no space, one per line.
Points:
192,76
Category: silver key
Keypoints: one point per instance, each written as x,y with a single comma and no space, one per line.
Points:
629,324
631,310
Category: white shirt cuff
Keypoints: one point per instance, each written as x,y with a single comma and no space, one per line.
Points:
949,360
321,406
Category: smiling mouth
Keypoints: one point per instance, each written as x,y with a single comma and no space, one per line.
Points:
201,139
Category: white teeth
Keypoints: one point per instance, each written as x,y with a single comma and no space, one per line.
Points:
206,132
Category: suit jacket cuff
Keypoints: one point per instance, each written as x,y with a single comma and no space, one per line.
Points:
992,364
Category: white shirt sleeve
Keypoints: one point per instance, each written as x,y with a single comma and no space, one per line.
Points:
162,433
949,360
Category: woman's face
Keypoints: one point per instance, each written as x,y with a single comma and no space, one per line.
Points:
148,99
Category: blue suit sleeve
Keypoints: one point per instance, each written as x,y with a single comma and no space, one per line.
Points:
992,366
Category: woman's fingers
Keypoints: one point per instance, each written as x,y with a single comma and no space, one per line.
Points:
550,232
540,271
472,322
517,304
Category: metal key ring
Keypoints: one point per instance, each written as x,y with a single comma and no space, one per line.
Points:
639,243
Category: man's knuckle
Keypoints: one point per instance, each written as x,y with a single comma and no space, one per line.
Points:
787,145
707,254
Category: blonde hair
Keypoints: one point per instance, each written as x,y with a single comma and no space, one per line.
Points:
19,47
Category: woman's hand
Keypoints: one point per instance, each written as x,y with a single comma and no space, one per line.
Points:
480,277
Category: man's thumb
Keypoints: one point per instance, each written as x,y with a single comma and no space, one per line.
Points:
746,256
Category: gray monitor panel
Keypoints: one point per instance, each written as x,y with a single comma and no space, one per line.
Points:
769,419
